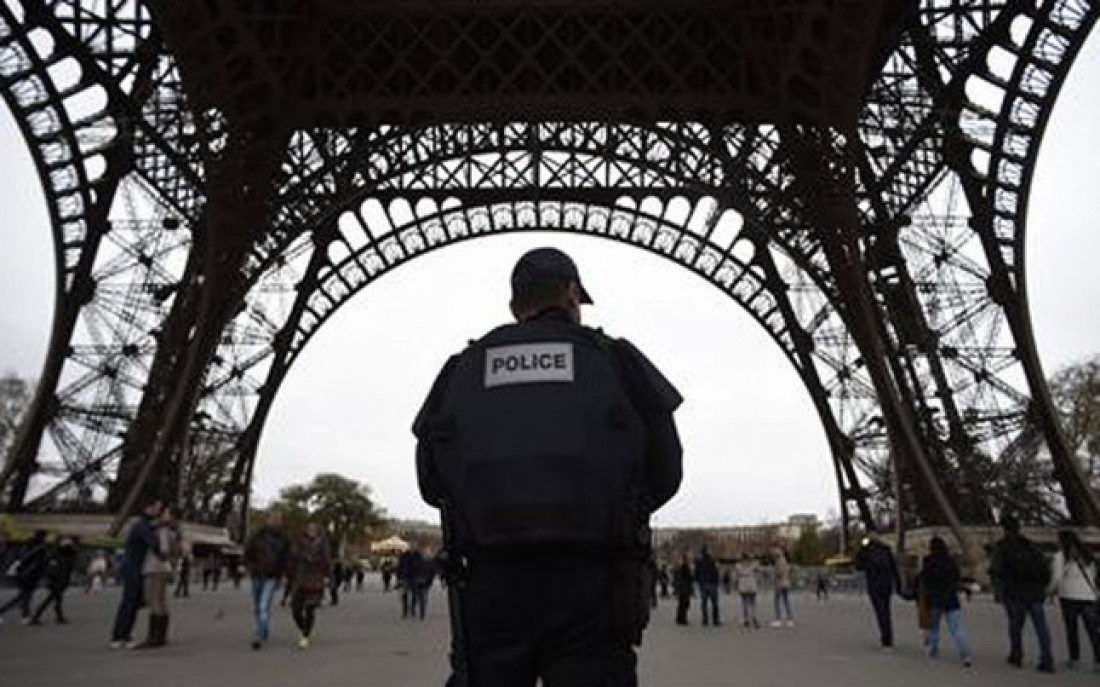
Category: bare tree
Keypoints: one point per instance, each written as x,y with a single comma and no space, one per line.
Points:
1075,390
15,397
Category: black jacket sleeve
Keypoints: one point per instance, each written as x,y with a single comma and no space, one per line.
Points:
655,399
427,471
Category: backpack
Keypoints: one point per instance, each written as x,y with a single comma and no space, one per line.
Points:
1028,566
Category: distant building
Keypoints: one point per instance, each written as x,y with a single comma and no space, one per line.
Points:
732,542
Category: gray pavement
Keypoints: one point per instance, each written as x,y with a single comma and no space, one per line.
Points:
363,642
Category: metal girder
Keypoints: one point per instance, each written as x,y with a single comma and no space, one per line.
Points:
174,177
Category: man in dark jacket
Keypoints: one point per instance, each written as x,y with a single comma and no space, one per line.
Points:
28,573
547,445
141,541
880,571
706,576
267,556
59,574
1020,574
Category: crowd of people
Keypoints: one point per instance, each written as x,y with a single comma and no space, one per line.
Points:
1023,578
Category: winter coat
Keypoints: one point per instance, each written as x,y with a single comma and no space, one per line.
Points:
782,573
1073,580
706,571
746,577
879,568
939,580
168,545
682,580
1010,582
267,553
311,563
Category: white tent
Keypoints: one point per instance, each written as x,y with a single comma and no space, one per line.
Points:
394,544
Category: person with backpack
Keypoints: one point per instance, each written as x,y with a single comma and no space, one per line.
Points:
1074,581
1020,574
880,570
28,572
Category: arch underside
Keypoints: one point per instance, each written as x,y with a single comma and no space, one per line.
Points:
941,199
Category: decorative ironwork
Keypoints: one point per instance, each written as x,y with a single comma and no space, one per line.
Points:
854,174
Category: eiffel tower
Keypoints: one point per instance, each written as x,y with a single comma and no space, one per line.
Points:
222,176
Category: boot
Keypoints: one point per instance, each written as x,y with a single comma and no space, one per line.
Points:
158,629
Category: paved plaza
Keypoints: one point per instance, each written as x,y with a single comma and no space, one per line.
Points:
363,642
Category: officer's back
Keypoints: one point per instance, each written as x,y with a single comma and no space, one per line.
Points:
547,445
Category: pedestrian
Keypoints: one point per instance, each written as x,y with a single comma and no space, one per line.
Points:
821,586
59,575
387,575
547,445
156,572
28,573
745,573
423,575
1074,582
664,580
880,572
97,573
183,576
360,576
683,586
938,584
311,569
1020,574
706,576
267,557
141,541
406,564
782,590
335,582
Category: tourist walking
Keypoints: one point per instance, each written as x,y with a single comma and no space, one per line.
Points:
406,565
880,571
311,567
28,573
706,576
938,582
1020,574
423,575
156,571
782,590
683,586
267,557
59,574
1074,582
141,541
745,574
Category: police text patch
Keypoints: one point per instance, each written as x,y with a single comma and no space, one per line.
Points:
527,363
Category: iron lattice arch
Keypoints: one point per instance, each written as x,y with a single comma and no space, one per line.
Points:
208,219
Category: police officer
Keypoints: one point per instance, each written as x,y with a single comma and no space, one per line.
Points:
547,445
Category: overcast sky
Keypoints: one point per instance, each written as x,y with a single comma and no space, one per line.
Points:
754,449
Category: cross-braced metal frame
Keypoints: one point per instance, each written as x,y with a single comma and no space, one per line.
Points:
855,175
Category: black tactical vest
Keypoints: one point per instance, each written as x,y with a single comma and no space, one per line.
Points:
537,441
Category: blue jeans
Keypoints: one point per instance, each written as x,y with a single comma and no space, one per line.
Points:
1018,611
783,601
708,599
954,627
263,591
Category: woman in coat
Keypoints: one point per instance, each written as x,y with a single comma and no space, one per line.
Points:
938,583
1073,579
310,566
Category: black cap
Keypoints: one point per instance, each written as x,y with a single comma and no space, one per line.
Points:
546,264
